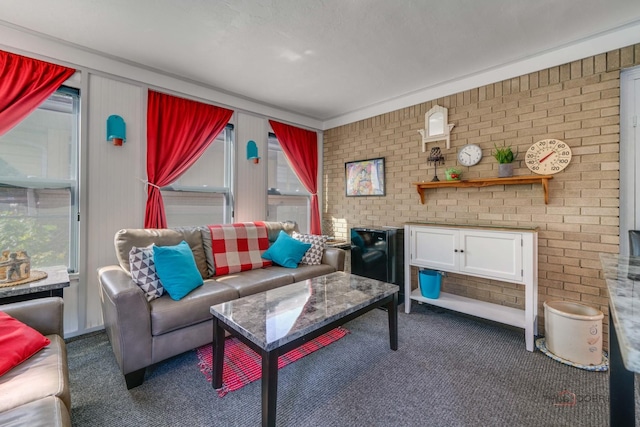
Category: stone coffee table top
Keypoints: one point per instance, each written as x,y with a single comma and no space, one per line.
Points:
272,319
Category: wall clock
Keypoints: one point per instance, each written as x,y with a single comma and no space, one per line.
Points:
470,155
548,156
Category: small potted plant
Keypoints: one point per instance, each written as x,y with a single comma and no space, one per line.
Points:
505,157
453,174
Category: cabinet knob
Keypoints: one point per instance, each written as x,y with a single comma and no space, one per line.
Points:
455,250
461,250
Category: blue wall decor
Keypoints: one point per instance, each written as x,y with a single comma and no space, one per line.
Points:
116,130
252,152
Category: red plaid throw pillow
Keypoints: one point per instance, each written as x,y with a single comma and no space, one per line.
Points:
238,247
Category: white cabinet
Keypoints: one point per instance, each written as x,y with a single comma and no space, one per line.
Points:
490,254
435,248
508,255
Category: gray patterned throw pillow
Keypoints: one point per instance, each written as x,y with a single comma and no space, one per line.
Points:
313,256
143,272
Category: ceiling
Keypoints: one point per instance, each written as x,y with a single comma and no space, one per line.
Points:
321,59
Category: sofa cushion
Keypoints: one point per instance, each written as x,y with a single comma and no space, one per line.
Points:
313,256
286,251
238,247
177,269
208,250
125,239
143,272
46,373
260,280
18,342
168,315
46,412
304,272
274,228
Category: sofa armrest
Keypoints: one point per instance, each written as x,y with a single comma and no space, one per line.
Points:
45,315
334,257
127,318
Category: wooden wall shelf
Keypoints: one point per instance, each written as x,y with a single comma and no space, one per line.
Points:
485,182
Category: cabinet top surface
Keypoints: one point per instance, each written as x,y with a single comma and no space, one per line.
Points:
475,226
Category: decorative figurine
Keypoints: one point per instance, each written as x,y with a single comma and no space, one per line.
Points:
14,266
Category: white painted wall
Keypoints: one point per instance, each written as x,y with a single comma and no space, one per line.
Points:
250,194
112,195
115,197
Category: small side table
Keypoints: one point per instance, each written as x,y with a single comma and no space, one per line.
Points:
52,286
340,244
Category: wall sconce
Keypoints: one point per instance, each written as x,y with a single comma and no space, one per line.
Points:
252,152
116,130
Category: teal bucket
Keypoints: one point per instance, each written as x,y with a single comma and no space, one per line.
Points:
430,281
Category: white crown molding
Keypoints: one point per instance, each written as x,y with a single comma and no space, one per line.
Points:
29,43
621,37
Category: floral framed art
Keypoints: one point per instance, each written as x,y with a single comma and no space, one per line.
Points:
365,177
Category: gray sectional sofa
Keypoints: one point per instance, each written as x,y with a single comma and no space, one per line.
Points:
36,392
145,332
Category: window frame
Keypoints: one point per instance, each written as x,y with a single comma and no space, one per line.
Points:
73,183
226,191
304,194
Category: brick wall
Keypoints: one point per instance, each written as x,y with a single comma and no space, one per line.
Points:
578,103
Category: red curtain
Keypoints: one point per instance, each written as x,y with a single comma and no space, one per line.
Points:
178,132
25,83
301,148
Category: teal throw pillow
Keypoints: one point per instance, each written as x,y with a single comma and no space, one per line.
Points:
285,251
176,269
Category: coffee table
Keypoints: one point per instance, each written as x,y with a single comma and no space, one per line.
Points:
277,321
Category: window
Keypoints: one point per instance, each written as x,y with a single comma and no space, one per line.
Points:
287,198
39,183
202,195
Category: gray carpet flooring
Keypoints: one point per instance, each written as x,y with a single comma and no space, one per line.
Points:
449,370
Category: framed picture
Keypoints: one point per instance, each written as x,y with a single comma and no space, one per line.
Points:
364,177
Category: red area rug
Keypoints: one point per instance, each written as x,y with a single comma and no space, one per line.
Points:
243,365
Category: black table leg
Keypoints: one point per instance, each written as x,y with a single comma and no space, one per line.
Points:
269,388
392,311
622,410
218,354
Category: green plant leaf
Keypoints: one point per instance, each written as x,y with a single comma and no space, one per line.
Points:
504,154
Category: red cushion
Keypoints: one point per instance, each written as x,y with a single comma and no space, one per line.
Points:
18,342
239,247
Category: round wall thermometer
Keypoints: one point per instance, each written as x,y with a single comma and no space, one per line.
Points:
470,155
548,156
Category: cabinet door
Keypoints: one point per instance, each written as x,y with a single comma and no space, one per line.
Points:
435,248
496,255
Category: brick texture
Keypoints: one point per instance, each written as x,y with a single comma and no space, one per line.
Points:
578,103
